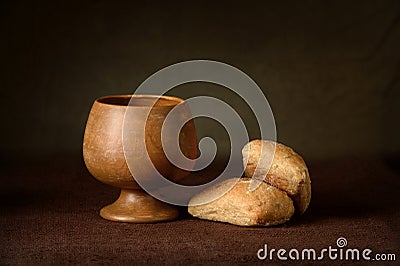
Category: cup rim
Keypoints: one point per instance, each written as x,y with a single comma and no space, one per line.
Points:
173,99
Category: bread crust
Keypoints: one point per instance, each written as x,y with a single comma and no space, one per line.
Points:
288,171
264,206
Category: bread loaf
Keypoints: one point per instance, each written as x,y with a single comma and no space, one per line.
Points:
287,172
283,185
264,206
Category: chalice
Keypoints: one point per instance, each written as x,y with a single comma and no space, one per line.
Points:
104,152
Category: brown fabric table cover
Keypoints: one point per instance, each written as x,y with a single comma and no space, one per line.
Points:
49,215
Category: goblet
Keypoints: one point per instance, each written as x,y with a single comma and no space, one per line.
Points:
103,152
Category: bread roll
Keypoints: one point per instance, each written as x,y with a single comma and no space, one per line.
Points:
287,172
264,206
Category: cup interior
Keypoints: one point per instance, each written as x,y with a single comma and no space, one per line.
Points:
140,100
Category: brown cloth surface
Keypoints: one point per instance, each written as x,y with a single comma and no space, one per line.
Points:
49,215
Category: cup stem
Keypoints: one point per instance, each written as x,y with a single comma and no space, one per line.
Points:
136,206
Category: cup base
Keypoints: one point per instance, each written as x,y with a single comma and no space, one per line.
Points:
136,206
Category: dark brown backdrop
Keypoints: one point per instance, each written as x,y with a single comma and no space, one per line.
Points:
330,69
